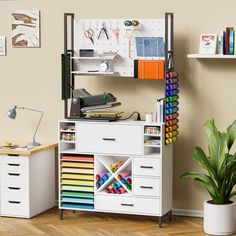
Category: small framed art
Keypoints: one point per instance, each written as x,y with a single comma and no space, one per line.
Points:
26,28
208,44
2,45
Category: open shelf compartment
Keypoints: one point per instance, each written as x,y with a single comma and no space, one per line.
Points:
108,170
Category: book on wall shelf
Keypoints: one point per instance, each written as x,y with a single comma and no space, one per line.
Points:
223,46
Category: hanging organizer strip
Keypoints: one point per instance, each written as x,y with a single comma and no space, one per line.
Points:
172,107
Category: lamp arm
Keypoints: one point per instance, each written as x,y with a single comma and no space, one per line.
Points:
37,126
25,108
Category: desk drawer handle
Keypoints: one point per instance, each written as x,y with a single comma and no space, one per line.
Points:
109,139
13,174
13,155
125,204
146,187
146,167
11,164
14,202
14,188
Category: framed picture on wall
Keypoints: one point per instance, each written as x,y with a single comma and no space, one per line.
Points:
2,45
208,44
26,28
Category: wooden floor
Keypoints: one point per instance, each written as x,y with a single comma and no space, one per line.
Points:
98,224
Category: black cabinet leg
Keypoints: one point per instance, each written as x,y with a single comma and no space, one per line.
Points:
160,222
61,214
170,215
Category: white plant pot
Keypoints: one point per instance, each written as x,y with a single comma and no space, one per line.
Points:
219,219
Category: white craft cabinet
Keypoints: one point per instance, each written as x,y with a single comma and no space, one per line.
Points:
27,182
137,144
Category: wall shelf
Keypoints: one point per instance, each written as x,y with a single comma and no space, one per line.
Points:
209,56
104,56
94,73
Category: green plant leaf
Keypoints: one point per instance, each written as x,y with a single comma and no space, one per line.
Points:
220,165
205,181
231,134
200,157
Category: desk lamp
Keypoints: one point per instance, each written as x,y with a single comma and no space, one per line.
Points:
12,114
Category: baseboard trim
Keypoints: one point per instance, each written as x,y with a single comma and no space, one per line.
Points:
186,212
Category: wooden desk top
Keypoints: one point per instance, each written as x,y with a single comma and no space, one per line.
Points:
25,151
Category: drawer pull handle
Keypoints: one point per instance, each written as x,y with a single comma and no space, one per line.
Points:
146,187
14,202
13,174
13,155
146,167
125,204
11,164
109,139
14,188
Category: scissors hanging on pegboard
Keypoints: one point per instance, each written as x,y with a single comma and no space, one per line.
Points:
89,35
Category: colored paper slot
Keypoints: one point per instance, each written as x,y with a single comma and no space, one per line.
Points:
78,158
77,194
77,176
77,164
78,182
77,188
78,200
79,206
77,170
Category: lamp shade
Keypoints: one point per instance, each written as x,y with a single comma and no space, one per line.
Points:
12,113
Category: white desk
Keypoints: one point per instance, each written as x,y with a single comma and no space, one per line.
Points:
27,181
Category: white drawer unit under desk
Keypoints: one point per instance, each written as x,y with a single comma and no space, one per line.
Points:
27,181
115,167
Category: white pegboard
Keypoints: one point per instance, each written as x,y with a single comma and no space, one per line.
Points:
122,64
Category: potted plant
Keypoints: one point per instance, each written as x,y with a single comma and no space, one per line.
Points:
219,179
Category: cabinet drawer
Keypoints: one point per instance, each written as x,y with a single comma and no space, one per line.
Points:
127,204
14,208
14,193
17,164
147,187
147,166
14,178
109,139
14,202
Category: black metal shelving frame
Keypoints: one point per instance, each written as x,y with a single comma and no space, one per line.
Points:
68,78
